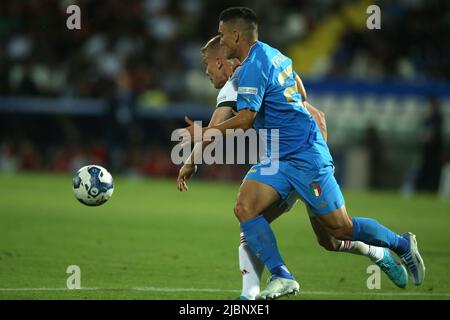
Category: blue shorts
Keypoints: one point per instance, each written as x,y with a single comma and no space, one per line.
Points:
316,186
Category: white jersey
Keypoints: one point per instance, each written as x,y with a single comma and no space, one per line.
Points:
228,94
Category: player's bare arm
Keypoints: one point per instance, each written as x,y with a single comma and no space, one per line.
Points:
300,87
242,120
318,116
189,168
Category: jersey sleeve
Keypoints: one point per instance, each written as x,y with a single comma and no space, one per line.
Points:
252,82
227,96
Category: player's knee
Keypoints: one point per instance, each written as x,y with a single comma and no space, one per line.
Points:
343,232
242,211
329,244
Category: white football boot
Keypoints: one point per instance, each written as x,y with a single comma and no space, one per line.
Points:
279,287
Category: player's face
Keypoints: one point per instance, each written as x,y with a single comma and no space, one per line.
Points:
227,40
215,70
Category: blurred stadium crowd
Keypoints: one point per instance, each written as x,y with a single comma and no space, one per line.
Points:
153,45
147,52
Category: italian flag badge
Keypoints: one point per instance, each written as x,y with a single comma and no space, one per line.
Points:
315,189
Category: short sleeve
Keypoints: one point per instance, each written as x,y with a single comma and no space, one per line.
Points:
227,96
252,86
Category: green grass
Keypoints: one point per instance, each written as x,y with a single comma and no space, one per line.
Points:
149,235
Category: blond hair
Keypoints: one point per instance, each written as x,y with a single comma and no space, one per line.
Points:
212,44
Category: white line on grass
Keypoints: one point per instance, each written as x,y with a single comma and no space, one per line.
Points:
318,293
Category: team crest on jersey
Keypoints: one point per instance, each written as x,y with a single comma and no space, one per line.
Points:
315,189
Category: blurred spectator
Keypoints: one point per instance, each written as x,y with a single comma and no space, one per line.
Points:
9,161
376,160
408,47
146,53
157,42
30,158
432,149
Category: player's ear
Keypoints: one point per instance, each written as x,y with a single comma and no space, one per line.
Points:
219,63
236,36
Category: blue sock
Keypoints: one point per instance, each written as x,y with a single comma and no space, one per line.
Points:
281,272
261,240
372,232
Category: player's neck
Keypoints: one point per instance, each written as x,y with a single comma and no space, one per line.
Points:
246,49
234,67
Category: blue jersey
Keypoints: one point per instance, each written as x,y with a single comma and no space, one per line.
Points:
266,84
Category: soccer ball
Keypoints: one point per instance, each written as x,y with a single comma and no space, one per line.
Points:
93,185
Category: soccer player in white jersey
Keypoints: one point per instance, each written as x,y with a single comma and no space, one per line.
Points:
220,71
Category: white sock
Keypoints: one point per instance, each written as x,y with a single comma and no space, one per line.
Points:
251,268
357,247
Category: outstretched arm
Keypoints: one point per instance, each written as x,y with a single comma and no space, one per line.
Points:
221,114
189,168
243,119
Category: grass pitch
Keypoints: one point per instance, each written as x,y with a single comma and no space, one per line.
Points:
152,242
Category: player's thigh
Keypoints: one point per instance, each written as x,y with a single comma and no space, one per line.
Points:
253,197
260,189
321,192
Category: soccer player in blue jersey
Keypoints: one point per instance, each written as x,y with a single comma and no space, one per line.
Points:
221,73
268,99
